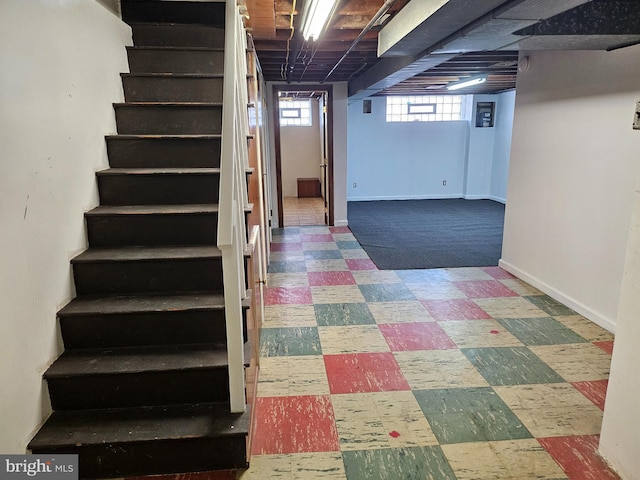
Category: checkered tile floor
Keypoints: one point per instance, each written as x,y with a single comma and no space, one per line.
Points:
464,373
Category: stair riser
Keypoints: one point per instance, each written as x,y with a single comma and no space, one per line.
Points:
209,13
148,230
143,329
161,89
164,189
178,36
151,60
148,276
168,120
140,389
164,152
158,457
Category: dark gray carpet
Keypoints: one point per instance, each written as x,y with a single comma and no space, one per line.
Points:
410,234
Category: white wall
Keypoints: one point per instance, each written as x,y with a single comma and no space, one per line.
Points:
574,159
389,161
59,65
502,146
392,160
620,436
300,150
340,152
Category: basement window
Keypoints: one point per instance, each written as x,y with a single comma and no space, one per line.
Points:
426,108
295,113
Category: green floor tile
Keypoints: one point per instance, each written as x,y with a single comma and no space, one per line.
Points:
276,342
410,463
341,314
540,331
510,366
322,254
458,400
459,415
550,305
287,266
392,292
347,244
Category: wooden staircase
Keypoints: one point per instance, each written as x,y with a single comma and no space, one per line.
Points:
143,385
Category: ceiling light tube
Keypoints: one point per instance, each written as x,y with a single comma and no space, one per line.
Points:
467,82
317,14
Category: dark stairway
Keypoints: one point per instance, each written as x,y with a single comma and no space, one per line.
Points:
142,387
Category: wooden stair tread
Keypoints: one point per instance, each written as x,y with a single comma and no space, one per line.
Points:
130,360
174,24
160,171
168,104
176,49
129,136
173,75
107,210
124,254
140,424
119,304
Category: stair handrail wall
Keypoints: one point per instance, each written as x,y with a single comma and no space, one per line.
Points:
233,198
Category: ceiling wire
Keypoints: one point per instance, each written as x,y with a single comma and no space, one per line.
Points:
305,62
384,9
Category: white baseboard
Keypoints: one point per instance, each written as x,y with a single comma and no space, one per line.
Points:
403,197
426,197
579,307
485,197
341,223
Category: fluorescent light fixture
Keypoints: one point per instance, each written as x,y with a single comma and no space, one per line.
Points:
317,14
467,82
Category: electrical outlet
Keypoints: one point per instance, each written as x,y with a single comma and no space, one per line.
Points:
355,185
636,119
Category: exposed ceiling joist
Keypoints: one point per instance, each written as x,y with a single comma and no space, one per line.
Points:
429,43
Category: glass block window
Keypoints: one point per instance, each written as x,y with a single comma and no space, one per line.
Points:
295,112
426,108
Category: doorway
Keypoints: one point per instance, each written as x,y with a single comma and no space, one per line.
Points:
304,154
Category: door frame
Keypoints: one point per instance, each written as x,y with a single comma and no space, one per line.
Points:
278,157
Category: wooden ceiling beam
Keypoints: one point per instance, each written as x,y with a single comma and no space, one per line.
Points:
261,19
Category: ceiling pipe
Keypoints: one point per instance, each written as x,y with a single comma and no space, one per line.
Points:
294,44
296,40
387,5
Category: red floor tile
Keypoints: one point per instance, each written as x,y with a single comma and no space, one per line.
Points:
364,372
321,279
457,309
339,230
288,295
416,336
316,237
497,273
286,247
578,456
485,289
596,391
360,264
607,346
294,425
